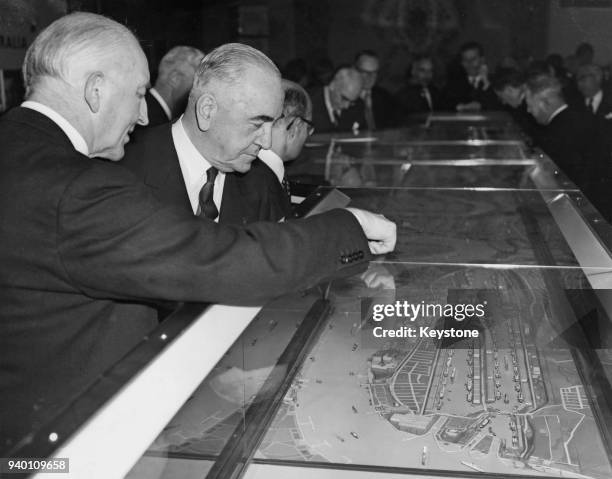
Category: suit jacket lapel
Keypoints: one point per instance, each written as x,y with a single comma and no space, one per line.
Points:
165,173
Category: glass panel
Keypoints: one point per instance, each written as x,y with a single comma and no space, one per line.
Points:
496,227
194,438
524,397
374,164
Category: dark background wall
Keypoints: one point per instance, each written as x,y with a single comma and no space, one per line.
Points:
313,29
396,29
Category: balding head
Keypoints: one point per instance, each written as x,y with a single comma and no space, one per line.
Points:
236,96
544,96
72,46
345,88
228,64
92,71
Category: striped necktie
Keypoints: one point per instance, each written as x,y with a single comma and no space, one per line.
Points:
207,205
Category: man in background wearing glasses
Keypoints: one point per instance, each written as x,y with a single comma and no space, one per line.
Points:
377,104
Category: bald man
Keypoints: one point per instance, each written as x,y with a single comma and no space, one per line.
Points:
331,102
86,250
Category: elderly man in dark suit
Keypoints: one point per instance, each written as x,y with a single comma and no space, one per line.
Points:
160,156
86,249
572,138
331,103
168,97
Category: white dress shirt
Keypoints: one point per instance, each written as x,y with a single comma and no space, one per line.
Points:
274,162
556,112
71,132
328,105
155,94
595,101
194,167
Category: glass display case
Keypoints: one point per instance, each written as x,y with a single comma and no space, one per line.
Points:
384,373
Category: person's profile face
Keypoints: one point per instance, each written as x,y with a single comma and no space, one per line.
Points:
472,61
242,123
344,94
422,72
537,107
123,105
511,96
367,67
588,83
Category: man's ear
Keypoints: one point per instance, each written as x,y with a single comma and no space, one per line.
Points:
293,131
206,108
93,91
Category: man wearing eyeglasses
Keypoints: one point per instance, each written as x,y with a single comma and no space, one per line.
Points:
376,105
331,104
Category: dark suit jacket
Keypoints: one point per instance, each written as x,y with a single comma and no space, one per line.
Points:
321,120
157,115
573,141
460,90
384,110
411,100
249,197
84,248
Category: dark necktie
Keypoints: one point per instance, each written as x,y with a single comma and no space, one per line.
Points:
207,205
369,113
590,105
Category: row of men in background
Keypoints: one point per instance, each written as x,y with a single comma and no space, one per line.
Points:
352,98
468,88
572,124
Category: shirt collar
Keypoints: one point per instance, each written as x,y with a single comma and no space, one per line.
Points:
328,105
274,162
193,164
596,100
556,112
155,94
77,140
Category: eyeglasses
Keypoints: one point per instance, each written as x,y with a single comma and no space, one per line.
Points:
309,124
366,72
347,100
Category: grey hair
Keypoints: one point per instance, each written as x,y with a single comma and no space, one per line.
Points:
296,102
545,85
69,41
227,63
177,57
